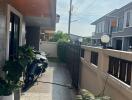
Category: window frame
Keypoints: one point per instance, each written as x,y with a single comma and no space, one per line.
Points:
100,27
116,25
125,19
122,17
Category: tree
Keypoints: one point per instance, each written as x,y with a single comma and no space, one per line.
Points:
86,41
59,35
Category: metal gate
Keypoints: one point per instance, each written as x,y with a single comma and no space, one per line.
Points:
71,55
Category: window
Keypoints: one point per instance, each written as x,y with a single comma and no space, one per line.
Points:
120,23
128,19
100,27
113,25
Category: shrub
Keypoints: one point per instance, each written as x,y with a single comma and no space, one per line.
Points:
86,95
61,50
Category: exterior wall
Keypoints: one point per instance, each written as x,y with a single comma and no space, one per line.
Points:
107,26
33,36
15,11
5,10
94,77
2,31
50,48
125,33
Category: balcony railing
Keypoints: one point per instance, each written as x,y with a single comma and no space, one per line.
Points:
101,71
94,58
120,69
107,71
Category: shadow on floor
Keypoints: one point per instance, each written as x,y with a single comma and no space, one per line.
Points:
61,76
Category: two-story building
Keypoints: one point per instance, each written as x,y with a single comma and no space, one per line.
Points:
21,22
118,25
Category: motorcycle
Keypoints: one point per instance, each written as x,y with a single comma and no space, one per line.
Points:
36,68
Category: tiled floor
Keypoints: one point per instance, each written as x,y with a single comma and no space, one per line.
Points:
44,90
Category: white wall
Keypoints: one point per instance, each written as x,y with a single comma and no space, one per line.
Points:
50,48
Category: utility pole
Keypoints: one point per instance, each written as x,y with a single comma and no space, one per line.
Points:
70,14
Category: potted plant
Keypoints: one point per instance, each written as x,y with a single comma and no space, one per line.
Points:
6,90
14,69
11,82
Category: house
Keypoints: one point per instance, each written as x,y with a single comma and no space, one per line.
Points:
47,34
21,22
117,24
75,38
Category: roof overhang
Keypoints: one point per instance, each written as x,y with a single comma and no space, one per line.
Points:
109,15
99,20
37,12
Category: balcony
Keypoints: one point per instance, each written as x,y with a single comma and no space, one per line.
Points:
101,71
97,35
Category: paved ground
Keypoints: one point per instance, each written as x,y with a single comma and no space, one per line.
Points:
44,90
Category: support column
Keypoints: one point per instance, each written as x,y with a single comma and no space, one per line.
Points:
33,36
125,43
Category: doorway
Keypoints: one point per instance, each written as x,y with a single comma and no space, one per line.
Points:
14,35
118,44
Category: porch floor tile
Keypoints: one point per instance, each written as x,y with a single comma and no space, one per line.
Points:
50,85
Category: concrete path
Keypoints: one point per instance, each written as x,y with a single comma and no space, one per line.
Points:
52,85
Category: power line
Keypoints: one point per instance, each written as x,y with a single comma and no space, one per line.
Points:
88,5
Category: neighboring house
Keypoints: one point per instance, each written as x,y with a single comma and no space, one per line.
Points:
118,25
75,38
47,34
21,22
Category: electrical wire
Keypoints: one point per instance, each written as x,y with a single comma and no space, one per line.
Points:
63,85
88,5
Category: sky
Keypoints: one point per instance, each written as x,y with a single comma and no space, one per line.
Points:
85,12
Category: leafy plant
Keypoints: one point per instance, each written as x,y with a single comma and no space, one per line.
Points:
86,41
26,55
86,95
61,50
14,70
59,35
6,88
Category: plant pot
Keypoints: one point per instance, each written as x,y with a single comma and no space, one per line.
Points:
17,94
10,97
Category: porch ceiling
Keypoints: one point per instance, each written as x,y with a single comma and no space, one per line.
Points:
37,12
32,7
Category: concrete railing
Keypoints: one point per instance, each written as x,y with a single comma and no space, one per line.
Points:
50,48
96,77
95,73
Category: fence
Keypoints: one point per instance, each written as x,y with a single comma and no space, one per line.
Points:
102,71
120,69
70,54
105,71
50,48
